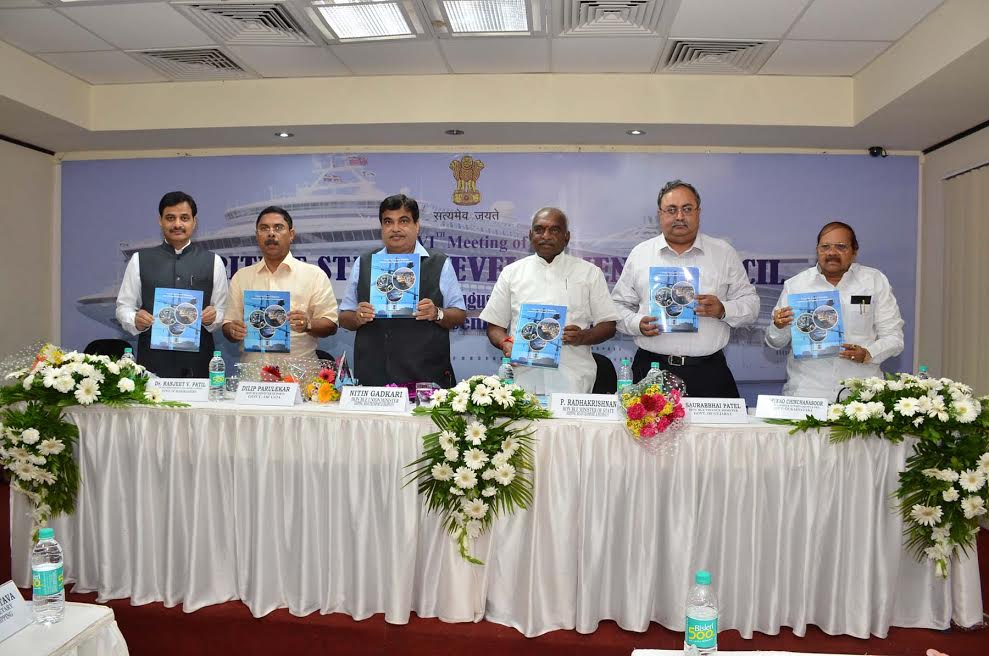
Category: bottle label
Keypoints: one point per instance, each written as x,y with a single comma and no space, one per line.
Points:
622,384
47,581
702,634
216,378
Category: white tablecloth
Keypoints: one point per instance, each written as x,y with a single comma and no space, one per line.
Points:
305,509
86,630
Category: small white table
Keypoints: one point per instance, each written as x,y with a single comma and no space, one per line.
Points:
87,630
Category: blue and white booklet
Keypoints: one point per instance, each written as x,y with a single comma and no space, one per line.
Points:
817,330
673,298
266,317
539,335
178,317
394,285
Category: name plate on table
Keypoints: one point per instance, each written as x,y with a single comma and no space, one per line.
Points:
375,399
597,407
280,394
715,411
182,389
15,613
790,407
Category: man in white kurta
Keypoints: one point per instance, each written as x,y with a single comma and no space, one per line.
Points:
870,314
551,276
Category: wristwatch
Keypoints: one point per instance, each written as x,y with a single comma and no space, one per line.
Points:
439,314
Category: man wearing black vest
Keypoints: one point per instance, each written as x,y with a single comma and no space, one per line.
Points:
179,264
404,350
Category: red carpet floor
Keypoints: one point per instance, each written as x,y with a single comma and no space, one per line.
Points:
230,629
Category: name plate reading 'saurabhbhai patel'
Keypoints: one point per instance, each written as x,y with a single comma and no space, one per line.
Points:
277,394
596,407
715,411
375,399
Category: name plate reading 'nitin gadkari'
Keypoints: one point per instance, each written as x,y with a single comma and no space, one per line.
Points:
276,394
375,399
596,407
186,390
790,407
715,411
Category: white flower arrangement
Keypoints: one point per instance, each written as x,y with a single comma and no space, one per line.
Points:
945,488
35,439
476,465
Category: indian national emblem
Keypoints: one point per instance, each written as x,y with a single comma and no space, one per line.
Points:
466,171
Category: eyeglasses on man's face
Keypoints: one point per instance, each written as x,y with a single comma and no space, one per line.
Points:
278,228
841,248
672,210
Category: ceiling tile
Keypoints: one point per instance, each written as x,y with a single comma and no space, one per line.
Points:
45,30
605,55
290,61
751,19
822,57
4,4
875,20
497,55
139,26
393,58
112,67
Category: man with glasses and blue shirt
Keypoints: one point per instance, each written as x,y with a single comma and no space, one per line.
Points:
727,299
870,314
313,312
404,350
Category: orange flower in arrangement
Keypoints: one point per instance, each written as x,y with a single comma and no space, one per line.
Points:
327,393
289,378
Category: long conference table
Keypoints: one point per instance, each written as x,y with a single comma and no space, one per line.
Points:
305,509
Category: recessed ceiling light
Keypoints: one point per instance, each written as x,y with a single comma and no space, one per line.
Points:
635,133
486,16
284,135
364,20
454,132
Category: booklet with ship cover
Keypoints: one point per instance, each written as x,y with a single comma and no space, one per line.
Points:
266,317
673,298
539,335
394,285
178,317
817,330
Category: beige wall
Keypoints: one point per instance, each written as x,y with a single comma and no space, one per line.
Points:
963,154
27,187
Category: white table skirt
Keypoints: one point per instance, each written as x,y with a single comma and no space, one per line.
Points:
86,630
305,509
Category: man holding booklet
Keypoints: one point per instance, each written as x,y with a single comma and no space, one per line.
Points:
547,310
681,293
839,317
281,306
160,276
402,300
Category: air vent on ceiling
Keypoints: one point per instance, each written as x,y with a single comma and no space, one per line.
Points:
610,17
243,24
193,64
707,56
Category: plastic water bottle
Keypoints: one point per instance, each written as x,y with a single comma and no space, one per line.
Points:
217,377
128,354
702,617
624,374
505,372
922,372
47,579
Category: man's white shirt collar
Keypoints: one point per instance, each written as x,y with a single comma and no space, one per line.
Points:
661,244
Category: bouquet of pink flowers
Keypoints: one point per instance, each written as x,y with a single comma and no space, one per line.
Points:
653,407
